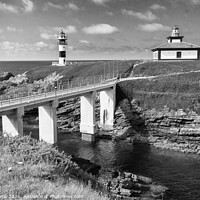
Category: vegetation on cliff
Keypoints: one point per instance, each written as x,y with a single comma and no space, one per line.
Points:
82,69
178,90
162,106
36,170
164,68
49,78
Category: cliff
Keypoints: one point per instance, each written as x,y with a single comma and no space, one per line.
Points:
162,109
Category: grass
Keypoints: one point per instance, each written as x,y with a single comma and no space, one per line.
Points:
82,69
175,92
160,68
29,168
71,75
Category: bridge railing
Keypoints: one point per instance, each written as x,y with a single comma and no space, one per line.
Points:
70,85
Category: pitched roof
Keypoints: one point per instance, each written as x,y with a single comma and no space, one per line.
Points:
177,45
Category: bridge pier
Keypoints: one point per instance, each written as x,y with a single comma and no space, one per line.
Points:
107,106
12,123
48,122
88,123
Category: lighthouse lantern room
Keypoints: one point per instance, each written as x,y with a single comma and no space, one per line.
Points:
62,46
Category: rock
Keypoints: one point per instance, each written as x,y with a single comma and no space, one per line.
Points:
10,169
86,165
129,193
5,76
158,189
127,175
124,133
128,184
104,135
115,174
144,179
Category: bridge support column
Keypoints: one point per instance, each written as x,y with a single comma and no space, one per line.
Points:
48,122
88,123
13,122
107,106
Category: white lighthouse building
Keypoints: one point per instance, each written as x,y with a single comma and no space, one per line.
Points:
176,49
62,46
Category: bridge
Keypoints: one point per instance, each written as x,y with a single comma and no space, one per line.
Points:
12,107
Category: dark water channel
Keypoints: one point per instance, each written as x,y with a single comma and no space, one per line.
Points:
179,172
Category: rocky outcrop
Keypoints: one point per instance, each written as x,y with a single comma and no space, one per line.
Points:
131,186
176,130
86,165
5,76
167,129
69,115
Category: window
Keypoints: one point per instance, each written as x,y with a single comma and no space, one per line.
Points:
178,54
62,42
62,54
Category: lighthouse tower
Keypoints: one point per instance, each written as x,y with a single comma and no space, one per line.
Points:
175,36
62,46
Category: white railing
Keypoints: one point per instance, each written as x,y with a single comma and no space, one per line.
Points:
60,88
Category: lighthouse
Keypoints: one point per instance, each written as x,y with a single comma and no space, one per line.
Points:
176,49
175,36
62,47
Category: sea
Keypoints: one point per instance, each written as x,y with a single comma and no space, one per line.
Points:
179,172
19,67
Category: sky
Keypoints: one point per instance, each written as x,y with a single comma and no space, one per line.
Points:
96,29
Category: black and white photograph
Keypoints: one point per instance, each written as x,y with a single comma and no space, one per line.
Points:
100,99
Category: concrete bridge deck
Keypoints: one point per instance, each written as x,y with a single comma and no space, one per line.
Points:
12,109
35,100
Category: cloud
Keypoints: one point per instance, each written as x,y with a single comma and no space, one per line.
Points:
195,2
48,36
71,6
148,15
12,46
109,13
40,45
100,2
8,8
188,2
100,29
157,7
24,6
11,29
54,5
1,30
50,33
102,49
68,29
28,5
84,41
153,27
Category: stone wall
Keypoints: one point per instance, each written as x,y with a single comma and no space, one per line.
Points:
168,129
176,130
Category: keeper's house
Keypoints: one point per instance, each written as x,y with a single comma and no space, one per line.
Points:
176,49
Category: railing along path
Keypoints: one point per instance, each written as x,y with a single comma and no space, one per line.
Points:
61,88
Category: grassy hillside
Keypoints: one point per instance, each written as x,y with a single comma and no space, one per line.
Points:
30,169
174,91
159,68
82,69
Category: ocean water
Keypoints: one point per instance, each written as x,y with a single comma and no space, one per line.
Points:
19,67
